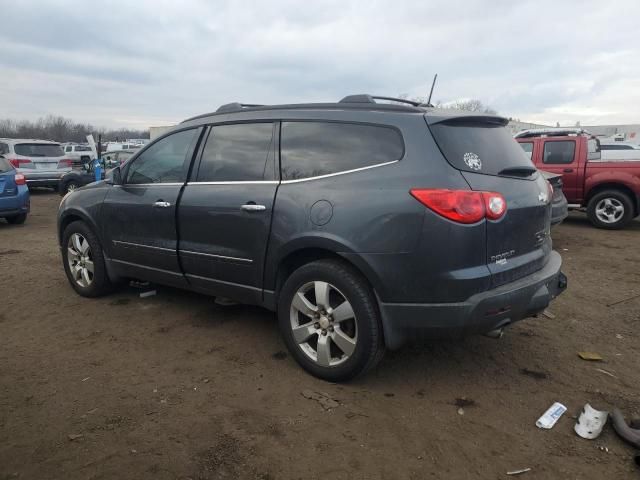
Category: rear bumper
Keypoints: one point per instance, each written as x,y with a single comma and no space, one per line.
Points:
15,205
43,178
480,313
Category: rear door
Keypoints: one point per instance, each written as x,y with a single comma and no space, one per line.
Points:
225,212
491,160
139,216
561,155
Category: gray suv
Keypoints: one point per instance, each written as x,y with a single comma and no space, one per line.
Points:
362,224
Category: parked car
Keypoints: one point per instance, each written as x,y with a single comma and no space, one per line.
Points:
609,190
620,151
78,178
14,194
363,224
41,162
559,204
116,158
80,154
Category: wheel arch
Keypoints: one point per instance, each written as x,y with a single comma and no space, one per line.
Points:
635,200
304,255
75,215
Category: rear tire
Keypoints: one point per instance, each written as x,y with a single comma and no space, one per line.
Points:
17,219
610,209
69,186
84,261
329,320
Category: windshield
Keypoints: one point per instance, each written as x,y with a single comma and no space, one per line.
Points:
480,147
39,149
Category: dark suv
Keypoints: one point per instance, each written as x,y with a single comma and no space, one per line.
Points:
363,224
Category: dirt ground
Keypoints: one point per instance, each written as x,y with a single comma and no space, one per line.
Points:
176,387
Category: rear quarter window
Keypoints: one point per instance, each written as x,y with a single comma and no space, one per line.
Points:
479,147
313,149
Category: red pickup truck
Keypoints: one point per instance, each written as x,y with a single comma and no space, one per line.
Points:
609,190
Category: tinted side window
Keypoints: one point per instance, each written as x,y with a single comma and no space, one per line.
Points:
238,153
164,161
528,149
559,152
311,149
4,148
616,147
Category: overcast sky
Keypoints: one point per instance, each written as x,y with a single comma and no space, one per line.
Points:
142,63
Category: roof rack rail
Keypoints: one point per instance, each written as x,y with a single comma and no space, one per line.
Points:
366,98
234,106
551,132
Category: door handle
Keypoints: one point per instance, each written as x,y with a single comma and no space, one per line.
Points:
568,170
252,207
161,204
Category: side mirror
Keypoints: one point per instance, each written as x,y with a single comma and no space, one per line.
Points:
114,177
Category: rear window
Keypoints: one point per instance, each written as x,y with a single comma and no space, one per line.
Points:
561,152
312,149
479,147
238,153
5,166
39,150
82,148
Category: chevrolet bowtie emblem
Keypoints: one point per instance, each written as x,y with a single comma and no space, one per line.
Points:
542,197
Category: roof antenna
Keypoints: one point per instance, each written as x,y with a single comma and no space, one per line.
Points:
431,92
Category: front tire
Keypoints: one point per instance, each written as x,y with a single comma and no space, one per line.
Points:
610,209
84,261
329,320
17,219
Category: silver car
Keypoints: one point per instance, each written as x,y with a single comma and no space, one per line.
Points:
41,162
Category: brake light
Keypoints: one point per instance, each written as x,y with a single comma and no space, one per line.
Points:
66,163
550,189
16,162
462,206
19,179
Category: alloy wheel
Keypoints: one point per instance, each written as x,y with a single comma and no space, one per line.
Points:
80,260
609,210
323,324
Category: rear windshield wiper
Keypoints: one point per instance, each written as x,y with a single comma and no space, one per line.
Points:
518,171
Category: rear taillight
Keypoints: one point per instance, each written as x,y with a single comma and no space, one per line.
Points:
19,179
66,163
17,162
462,206
550,189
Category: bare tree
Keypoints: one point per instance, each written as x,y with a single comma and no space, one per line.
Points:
470,105
62,129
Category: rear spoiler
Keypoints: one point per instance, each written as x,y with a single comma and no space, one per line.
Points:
459,117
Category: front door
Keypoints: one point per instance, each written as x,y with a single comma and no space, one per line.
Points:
139,216
224,218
